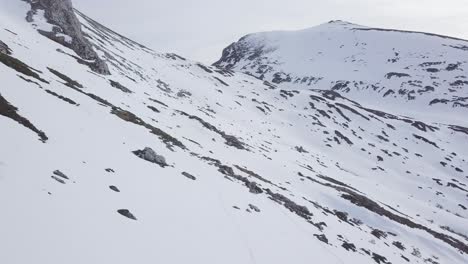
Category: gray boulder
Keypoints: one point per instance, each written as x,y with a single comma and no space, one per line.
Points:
150,155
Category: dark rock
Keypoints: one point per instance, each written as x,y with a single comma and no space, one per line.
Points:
184,93
349,246
301,149
154,109
230,139
343,216
322,238
426,140
300,210
343,137
10,111
204,68
254,208
399,245
126,213
188,175
58,179
432,70
60,174
452,67
396,74
370,205
253,187
63,98
114,188
119,86
379,233
68,81
378,258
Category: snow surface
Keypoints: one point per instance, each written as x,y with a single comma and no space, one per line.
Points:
210,219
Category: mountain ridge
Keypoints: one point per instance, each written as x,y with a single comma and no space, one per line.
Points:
425,69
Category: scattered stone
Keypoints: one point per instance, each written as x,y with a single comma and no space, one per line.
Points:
58,179
126,213
188,175
114,188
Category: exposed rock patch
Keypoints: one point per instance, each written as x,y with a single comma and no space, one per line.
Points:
20,66
10,111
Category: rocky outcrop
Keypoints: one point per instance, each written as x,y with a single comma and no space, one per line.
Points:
67,31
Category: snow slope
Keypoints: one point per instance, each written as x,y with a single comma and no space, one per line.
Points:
414,73
246,172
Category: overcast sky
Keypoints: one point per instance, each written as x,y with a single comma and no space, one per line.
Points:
200,29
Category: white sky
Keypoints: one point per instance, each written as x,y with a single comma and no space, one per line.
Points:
200,29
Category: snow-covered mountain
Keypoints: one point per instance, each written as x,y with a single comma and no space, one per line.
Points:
413,73
111,152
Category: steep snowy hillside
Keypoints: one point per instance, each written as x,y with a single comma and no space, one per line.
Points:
113,153
417,74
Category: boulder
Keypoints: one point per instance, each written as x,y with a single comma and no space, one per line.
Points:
150,155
